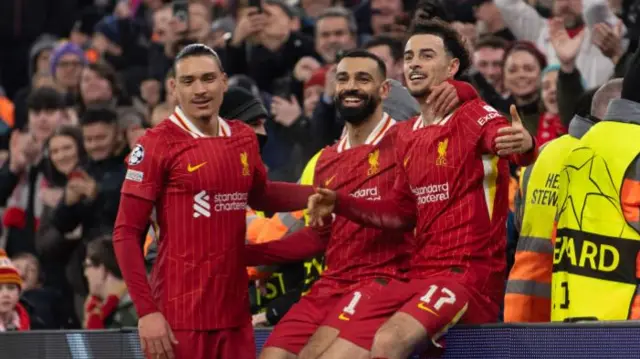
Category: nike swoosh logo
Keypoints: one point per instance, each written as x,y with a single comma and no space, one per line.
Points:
343,317
328,182
427,309
195,168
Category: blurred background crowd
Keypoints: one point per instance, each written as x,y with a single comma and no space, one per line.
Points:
81,80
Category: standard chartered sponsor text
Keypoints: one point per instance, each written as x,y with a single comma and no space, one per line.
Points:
236,201
370,194
431,193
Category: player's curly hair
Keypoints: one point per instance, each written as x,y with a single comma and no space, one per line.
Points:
454,44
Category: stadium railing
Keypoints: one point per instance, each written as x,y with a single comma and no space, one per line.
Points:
600,340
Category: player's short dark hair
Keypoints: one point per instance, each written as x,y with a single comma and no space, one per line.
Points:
194,50
359,53
394,45
100,252
99,114
454,45
45,99
492,42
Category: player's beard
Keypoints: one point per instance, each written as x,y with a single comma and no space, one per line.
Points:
356,115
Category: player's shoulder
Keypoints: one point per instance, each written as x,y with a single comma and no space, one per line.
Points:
239,128
405,127
163,132
478,112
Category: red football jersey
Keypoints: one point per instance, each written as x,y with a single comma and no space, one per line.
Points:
201,187
356,253
448,170
461,190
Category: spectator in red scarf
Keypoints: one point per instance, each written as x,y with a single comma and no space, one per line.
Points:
549,125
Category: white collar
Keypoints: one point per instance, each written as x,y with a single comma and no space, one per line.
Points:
419,123
181,120
374,137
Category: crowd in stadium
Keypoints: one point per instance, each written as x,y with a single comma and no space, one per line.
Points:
92,93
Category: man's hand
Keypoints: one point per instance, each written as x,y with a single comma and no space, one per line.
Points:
156,336
304,68
609,40
249,25
321,205
51,196
443,99
513,139
85,186
17,158
72,193
566,48
285,112
330,81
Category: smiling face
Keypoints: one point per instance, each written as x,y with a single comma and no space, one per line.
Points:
94,88
63,151
427,64
199,86
360,88
521,74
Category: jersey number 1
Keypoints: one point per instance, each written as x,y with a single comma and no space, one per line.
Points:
351,308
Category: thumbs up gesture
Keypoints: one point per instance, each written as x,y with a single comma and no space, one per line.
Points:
515,138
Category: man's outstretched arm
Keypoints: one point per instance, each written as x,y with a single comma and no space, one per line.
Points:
303,244
272,196
397,211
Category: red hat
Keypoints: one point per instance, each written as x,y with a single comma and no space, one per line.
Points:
8,273
317,78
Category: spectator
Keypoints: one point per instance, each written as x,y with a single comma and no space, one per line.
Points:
527,24
13,316
488,56
264,47
490,19
67,61
99,84
549,126
64,154
132,123
91,197
523,67
336,30
21,178
385,15
313,89
109,304
391,51
47,306
39,69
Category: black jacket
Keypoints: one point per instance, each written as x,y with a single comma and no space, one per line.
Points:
98,216
265,66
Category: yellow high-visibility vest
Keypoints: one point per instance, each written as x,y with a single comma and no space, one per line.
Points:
595,249
528,291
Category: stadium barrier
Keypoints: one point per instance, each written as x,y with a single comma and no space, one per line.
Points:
600,340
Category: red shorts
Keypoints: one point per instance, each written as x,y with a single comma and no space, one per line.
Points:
237,343
319,308
438,303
